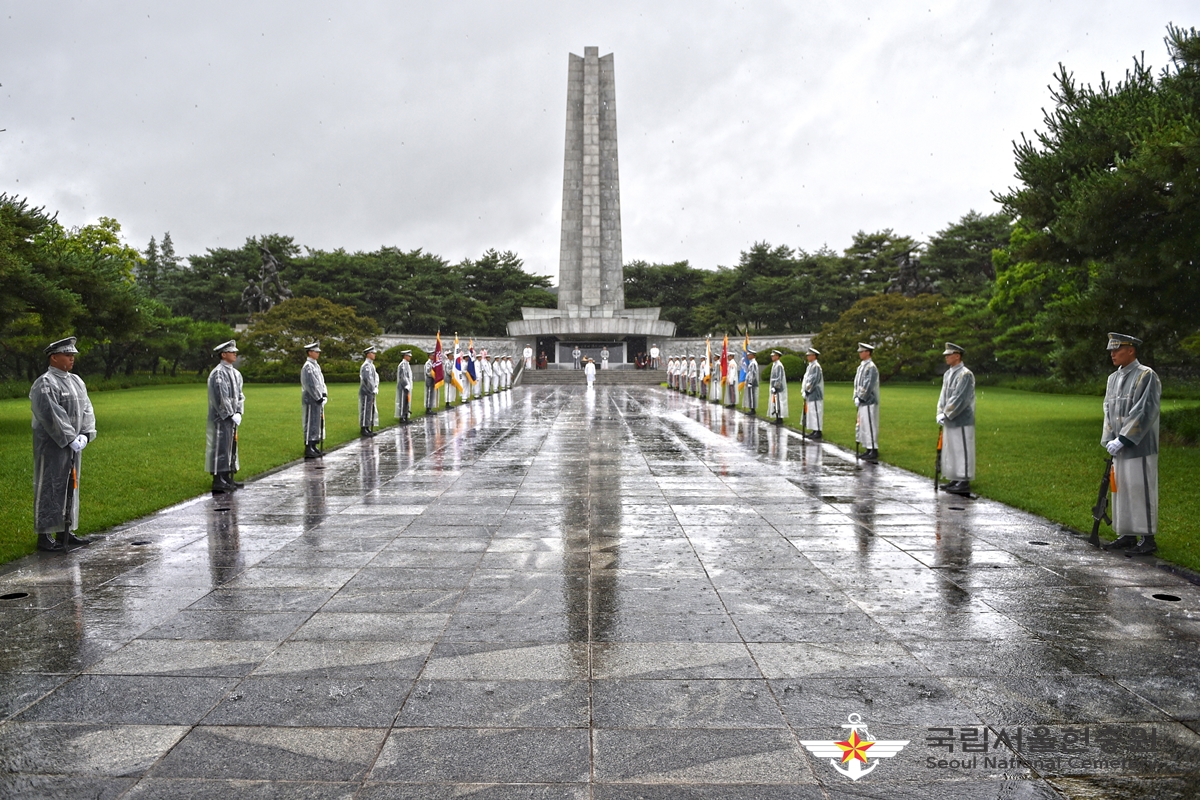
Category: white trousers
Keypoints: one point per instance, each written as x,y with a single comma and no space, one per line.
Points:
816,414
1135,502
958,453
867,431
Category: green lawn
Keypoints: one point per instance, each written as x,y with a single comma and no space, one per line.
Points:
149,452
1039,452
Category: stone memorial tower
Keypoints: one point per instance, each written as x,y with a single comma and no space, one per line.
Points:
591,309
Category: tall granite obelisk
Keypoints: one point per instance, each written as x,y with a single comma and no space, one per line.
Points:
589,264
591,294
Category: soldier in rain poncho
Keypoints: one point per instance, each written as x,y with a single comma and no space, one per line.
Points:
777,405
63,424
368,390
956,415
715,387
813,389
731,381
404,387
866,399
226,404
313,396
693,376
1131,418
750,392
430,387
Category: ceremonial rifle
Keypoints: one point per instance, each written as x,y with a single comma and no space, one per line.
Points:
937,462
72,486
1100,510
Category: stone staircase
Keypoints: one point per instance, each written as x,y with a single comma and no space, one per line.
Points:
604,377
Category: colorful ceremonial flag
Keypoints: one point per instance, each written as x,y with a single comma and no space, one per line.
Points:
707,359
471,376
745,365
439,364
725,361
456,369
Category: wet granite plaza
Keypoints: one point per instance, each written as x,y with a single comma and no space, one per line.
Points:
623,593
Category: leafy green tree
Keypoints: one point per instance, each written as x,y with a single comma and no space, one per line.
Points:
279,335
873,259
1109,205
500,285
671,287
910,333
958,259
718,309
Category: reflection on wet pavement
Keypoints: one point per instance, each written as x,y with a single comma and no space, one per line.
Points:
615,594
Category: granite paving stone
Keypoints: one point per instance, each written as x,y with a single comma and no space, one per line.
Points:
622,593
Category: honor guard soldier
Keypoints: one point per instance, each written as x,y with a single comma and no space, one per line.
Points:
750,393
813,389
777,405
313,396
655,357
1131,410
430,388
63,424
604,358
731,381
576,355
956,415
693,377
368,391
404,386
866,399
226,404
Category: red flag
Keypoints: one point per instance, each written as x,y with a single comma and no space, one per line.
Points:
439,368
725,359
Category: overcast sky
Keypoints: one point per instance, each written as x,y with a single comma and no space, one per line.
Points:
440,125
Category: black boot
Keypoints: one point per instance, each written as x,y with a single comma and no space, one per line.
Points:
220,484
1121,543
961,488
871,455
815,436
365,432
1144,548
311,451
75,541
46,541
235,484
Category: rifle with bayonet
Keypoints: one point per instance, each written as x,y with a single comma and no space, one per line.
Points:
937,463
1100,510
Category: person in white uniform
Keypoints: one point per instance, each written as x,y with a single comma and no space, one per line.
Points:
1132,402
750,392
313,396
956,415
368,391
404,387
777,405
527,354
866,399
604,358
63,424
589,372
813,389
226,404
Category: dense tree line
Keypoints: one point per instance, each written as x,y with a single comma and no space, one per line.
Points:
1101,233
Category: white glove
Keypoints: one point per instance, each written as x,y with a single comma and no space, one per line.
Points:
857,402
941,419
237,419
78,443
773,391
1114,447
324,399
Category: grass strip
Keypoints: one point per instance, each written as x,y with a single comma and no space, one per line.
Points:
149,449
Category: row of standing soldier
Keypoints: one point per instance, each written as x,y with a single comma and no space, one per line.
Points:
64,423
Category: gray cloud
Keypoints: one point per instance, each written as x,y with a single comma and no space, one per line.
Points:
441,125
